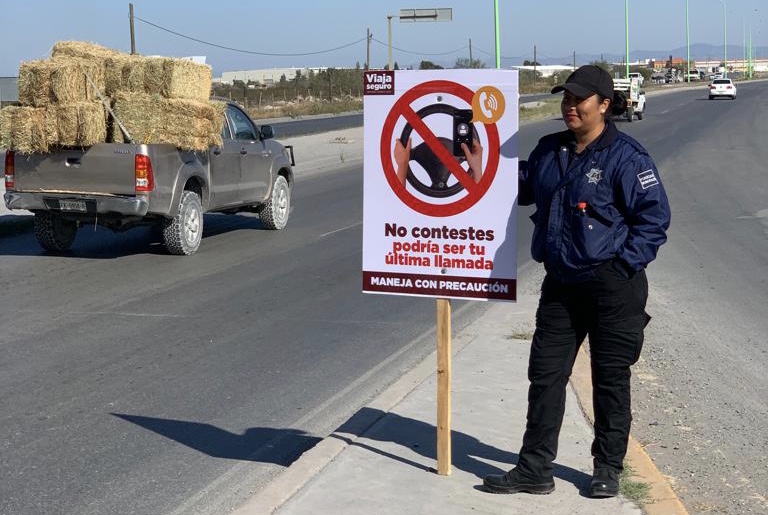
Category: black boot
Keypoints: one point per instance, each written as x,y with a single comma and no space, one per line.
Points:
605,483
513,482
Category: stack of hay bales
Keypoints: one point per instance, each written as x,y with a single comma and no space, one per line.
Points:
157,99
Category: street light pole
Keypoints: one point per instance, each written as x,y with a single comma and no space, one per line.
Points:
414,15
496,24
725,38
626,34
687,45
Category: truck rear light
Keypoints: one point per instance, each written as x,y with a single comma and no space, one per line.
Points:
10,169
145,178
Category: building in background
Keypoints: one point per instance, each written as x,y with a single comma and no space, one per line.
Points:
9,90
265,77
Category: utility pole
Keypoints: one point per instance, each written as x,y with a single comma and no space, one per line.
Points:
534,67
368,51
574,59
470,51
133,36
389,46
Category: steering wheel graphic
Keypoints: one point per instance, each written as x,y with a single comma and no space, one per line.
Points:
439,174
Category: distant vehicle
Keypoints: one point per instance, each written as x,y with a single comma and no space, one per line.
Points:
722,88
638,76
693,75
633,95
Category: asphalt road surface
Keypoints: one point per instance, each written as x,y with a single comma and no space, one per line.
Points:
136,382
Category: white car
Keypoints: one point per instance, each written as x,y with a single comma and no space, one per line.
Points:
722,88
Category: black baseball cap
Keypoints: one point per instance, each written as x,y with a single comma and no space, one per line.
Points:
587,80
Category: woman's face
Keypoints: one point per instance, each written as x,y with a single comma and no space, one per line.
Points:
583,115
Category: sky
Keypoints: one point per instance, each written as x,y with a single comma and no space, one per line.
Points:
317,33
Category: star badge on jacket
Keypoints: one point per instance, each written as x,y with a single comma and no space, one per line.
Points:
595,175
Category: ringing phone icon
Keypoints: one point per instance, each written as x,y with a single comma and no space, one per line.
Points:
485,104
488,104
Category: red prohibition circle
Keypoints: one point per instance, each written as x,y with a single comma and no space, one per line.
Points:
402,107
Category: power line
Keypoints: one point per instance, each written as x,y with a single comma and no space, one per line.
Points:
246,51
420,53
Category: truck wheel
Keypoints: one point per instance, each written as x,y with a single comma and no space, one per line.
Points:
53,232
274,214
182,233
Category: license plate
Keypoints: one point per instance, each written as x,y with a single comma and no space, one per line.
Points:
72,205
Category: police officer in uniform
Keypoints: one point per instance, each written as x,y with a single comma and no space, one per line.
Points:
601,216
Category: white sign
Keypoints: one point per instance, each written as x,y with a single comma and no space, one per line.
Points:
440,183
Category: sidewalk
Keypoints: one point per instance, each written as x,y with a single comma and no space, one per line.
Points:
383,461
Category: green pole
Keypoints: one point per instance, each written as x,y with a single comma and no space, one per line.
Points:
626,33
750,51
498,40
725,38
687,45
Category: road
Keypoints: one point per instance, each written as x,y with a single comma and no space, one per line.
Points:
701,391
136,382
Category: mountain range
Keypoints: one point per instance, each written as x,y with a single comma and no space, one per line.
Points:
699,52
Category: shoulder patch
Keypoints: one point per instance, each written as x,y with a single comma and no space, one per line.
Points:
647,179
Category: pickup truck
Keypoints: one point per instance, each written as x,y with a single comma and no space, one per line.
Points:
124,185
633,95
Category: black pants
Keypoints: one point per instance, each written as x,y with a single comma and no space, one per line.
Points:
610,309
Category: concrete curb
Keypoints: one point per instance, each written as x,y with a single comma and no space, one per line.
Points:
662,499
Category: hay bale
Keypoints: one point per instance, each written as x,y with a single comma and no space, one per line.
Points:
82,50
35,83
176,78
5,127
28,129
117,73
80,124
69,83
46,82
165,76
184,123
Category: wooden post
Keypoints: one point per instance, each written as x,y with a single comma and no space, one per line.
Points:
444,387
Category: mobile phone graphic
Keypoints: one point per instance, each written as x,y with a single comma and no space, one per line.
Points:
463,131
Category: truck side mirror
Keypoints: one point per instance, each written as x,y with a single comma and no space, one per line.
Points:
267,132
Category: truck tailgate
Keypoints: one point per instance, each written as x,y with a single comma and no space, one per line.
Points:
101,169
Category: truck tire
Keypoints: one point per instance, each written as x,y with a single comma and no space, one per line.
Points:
182,233
53,232
274,213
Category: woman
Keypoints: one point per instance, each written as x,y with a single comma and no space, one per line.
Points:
601,215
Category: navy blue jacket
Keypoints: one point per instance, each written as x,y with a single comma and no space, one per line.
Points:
607,202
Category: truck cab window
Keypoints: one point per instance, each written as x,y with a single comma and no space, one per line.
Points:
242,128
